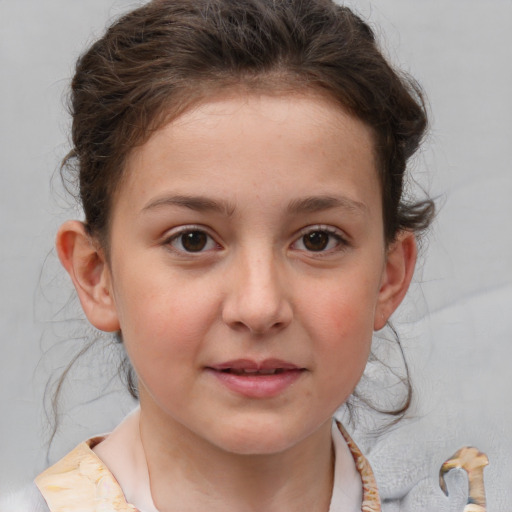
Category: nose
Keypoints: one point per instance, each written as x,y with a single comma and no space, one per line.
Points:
257,300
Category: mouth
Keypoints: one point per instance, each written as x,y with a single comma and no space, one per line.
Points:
254,379
254,368
253,373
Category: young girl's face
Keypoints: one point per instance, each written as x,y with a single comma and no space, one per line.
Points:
248,268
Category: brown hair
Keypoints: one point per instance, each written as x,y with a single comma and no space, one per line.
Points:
157,60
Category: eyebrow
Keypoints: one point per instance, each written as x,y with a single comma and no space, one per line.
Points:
314,204
303,205
197,203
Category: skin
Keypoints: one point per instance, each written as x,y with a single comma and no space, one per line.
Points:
255,173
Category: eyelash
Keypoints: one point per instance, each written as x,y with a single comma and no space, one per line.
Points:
332,233
177,236
211,244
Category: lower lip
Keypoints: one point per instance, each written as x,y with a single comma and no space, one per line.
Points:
258,386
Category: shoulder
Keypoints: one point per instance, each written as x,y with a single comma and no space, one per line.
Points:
25,499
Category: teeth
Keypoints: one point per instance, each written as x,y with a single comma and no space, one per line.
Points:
247,371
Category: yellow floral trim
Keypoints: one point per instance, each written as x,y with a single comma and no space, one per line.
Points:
80,482
371,500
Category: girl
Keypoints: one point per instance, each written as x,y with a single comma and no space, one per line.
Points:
241,170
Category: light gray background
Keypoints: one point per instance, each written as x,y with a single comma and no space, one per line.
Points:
457,322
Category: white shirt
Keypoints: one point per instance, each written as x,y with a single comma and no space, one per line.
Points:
133,478
347,492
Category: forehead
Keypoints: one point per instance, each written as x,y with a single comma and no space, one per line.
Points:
291,142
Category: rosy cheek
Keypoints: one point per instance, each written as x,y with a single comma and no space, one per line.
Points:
341,329
340,315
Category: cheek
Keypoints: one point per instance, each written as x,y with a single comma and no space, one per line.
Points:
340,323
342,309
164,325
342,350
346,331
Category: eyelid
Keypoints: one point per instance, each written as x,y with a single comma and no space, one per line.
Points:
175,233
337,233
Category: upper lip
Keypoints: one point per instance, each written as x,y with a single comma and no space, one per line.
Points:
249,364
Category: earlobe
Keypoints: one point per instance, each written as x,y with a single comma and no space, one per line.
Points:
396,277
85,263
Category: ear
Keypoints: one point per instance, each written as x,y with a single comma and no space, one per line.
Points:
396,277
86,265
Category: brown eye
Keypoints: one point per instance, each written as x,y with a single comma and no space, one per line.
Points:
320,239
194,241
316,241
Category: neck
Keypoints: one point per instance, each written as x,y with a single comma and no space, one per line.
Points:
187,473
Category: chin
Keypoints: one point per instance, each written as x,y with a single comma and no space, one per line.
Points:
258,437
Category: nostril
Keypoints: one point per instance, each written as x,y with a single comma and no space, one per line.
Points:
238,326
257,329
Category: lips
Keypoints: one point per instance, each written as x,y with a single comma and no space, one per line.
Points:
249,364
247,371
253,379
